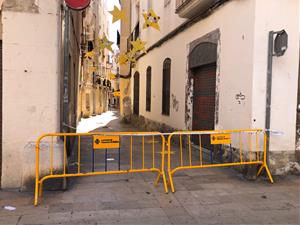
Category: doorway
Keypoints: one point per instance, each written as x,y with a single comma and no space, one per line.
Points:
204,100
203,72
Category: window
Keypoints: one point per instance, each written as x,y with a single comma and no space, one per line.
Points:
166,87
148,89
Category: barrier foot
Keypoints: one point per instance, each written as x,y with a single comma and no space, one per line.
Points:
157,180
268,172
260,170
171,182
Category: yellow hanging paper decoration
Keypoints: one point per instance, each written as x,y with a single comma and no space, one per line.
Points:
151,20
117,14
138,46
104,43
122,59
131,56
90,55
112,76
92,69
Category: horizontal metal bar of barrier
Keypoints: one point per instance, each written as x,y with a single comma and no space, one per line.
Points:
146,155
245,156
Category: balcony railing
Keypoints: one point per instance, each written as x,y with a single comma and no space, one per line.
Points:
180,3
190,8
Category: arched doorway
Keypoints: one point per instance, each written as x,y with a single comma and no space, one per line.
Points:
136,94
202,64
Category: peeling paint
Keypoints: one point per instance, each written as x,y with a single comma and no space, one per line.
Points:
30,6
218,81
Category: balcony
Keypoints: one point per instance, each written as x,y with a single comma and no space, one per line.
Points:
190,8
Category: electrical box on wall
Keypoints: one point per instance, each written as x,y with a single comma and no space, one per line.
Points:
281,43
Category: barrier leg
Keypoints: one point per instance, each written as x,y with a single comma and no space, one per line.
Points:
260,170
165,182
36,193
268,172
171,182
41,190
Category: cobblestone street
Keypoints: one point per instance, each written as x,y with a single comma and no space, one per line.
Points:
204,196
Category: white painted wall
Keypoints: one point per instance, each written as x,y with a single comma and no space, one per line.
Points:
242,64
31,68
168,22
281,15
235,66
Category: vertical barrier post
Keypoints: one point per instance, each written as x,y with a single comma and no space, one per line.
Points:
79,157
130,152
105,159
65,153
93,160
190,150
180,143
200,146
265,165
51,156
143,149
37,162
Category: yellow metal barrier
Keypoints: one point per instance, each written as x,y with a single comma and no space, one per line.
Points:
241,147
145,163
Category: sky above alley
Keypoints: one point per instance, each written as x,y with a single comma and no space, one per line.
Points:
112,27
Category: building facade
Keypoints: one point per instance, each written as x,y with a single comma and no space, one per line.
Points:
124,70
41,65
94,84
219,50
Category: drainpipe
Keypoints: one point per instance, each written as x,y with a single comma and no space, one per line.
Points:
66,71
280,48
269,92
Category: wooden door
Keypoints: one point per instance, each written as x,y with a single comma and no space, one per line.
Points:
204,101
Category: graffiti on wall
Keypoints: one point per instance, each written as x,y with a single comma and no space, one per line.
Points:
175,103
240,97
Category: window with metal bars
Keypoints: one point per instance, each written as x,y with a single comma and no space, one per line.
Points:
148,89
166,87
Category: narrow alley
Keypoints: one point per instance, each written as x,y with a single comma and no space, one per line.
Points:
159,112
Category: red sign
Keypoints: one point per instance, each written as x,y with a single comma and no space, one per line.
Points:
78,4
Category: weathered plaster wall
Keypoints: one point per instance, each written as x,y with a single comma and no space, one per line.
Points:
31,68
283,15
30,6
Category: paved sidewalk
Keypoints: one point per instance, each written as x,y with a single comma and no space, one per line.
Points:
205,196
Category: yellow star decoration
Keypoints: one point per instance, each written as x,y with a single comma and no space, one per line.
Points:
104,43
112,76
92,69
138,45
131,56
90,54
117,14
122,59
151,20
